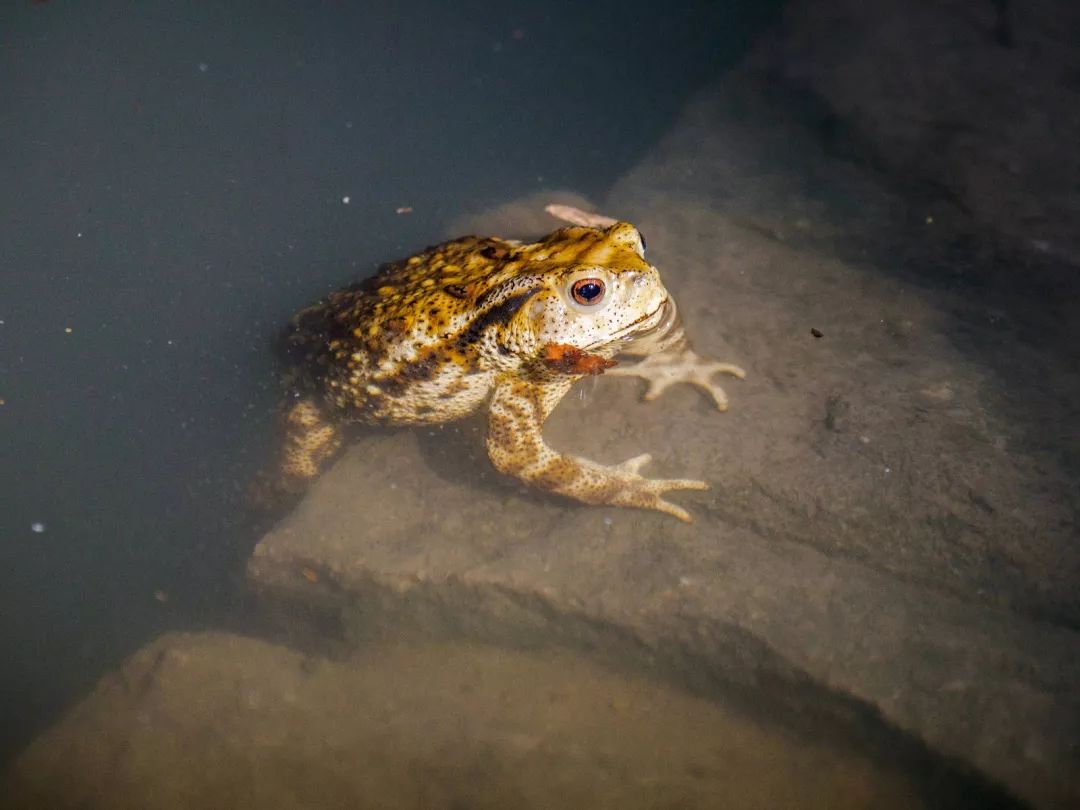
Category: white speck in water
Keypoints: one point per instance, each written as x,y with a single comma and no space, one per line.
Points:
345,200
864,439
79,234
685,582
203,67
348,125
37,527
608,520
888,469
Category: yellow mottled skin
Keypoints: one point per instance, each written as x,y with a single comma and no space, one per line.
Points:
476,320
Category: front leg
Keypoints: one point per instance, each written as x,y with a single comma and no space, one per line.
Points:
517,447
664,370
666,359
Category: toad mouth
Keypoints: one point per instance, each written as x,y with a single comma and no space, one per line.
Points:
629,332
646,318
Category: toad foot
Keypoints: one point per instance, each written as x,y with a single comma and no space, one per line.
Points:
517,447
645,492
661,371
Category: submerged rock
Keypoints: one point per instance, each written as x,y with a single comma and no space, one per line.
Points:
214,720
871,548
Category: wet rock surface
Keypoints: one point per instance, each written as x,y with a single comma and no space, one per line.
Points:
974,103
214,720
892,522
877,535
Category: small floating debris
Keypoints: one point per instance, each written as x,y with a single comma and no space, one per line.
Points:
941,391
404,209
816,332
345,200
37,527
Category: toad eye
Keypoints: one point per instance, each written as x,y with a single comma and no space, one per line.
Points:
588,291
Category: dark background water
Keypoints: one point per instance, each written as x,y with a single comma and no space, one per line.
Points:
173,177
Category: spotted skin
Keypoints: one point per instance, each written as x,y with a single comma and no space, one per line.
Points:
310,440
434,337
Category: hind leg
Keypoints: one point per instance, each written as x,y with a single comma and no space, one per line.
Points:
310,440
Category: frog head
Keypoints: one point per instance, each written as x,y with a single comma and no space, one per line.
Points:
597,292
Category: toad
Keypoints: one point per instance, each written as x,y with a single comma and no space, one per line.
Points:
495,324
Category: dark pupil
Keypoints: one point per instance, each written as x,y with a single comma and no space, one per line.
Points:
589,290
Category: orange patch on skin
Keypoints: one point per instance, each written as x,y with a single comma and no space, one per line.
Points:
571,360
